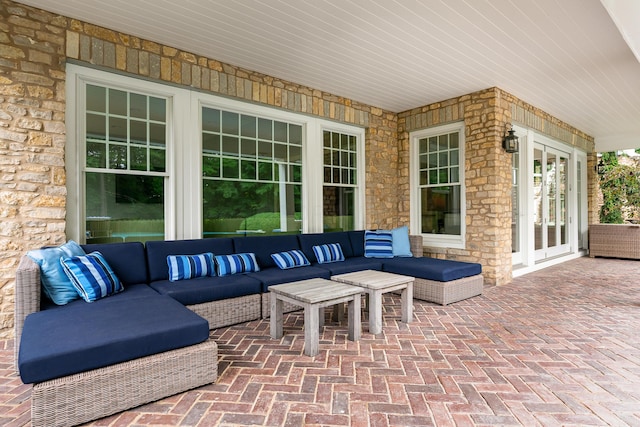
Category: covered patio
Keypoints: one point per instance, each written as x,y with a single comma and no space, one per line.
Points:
555,347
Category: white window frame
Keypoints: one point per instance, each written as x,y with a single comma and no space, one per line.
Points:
183,185
430,239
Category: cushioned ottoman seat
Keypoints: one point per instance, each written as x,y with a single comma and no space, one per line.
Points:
438,280
85,336
441,270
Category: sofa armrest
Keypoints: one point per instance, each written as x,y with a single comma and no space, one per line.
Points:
415,240
27,297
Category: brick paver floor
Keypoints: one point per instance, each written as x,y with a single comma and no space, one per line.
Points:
557,347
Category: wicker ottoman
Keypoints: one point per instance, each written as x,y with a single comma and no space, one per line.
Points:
447,292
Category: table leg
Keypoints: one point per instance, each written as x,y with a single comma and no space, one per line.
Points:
407,303
311,330
320,318
355,324
375,312
276,316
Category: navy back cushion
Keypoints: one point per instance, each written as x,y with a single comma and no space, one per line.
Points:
157,252
127,260
264,246
357,242
308,241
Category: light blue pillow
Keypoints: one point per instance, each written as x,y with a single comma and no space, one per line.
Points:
331,252
55,283
401,244
290,259
190,266
378,244
92,276
236,263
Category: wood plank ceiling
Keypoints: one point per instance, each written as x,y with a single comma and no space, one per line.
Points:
566,57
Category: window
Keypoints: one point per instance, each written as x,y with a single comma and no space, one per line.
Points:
125,164
251,174
146,160
340,180
437,192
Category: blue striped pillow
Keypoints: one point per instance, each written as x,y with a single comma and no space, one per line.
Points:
190,266
92,276
331,252
290,259
236,263
378,244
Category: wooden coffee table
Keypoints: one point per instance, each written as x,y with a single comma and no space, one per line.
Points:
314,295
376,283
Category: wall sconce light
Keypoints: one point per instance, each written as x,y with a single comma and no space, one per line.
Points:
600,167
510,142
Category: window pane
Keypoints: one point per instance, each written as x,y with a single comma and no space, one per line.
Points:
157,109
157,134
157,160
265,129
117,129
118,156
230,146
248,148
280,131
96,155
138,106
139,158
248,170
230,123
210,120
96,127
441,212
248,126
211,143
124,208
211,167
265,149
230,168
295,134
265,171
117,102
96,98
237,208
338,208
138,132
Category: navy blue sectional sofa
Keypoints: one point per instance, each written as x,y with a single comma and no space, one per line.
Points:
157,318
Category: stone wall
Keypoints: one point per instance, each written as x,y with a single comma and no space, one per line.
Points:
486,114
34,46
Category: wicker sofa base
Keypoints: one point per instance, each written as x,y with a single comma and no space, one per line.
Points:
230,311
78,398
448,292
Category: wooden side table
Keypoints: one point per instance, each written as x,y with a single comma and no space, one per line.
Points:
314,295
375,283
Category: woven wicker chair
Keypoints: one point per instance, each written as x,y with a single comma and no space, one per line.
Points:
78,398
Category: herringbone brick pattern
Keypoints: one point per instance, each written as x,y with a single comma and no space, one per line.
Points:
557,347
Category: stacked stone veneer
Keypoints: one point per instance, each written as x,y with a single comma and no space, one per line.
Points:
486,115
35,45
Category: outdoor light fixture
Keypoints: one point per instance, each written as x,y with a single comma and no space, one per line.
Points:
510,142
600,167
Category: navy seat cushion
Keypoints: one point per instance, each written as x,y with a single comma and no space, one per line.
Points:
276,276
352,264
441,270
127,260
308,241
85,336
264,246
207,289
157,252
357,242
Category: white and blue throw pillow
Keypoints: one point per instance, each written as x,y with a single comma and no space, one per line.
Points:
236,263
190,266
331,252
55,283
92,276
378,244
290,259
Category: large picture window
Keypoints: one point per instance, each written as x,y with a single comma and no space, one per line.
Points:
437,173
251,174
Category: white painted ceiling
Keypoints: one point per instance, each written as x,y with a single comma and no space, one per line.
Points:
574,59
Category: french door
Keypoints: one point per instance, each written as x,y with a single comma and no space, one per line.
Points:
550,202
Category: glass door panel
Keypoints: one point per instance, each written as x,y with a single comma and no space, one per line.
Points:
537,198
